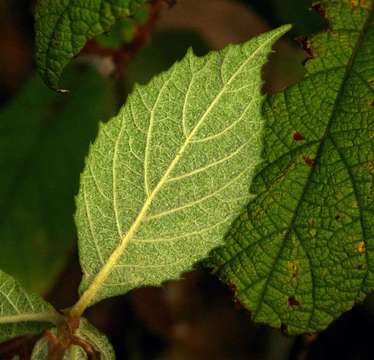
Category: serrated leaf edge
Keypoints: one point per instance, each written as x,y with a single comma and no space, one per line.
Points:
100,278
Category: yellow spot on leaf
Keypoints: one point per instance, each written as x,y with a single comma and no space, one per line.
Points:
293,268
355,205
361,247
371,166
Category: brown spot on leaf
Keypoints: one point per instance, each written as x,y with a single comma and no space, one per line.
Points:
337,217
258,212
360,267
372,103
311,221
319,9
292,301
361,247
355,3
298,136
309,161
293,269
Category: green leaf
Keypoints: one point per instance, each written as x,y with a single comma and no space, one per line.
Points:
124,31
86,332
44,138
22,313
64,26
166,177
302,252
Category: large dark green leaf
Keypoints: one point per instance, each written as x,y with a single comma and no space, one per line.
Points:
303,252
44,138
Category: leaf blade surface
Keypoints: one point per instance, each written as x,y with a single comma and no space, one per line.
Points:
21,313
64,26
302,252
166,176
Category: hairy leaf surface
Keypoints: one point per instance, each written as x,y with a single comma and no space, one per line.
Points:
302,253
64,26
21,312
166,177
89,334
44,138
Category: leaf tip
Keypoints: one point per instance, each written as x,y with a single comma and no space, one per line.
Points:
283,29
277,33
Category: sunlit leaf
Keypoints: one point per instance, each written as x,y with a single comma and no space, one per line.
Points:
166,177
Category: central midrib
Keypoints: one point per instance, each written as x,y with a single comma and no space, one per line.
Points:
325,136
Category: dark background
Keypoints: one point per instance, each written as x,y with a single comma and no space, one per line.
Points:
195,318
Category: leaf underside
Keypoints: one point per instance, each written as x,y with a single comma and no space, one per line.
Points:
44,139
64,26
302,252
18,308
166,177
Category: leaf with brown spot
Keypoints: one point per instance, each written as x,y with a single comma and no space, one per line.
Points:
316,195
